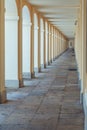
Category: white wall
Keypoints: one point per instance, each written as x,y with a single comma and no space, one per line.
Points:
11,49
47,48
35,41
35,48
11,44
42,48
26,26
26,49
10,7
42,42
46,43
52,46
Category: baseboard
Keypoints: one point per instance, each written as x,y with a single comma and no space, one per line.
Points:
12,83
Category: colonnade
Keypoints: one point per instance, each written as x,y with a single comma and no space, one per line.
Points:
80,46
81,54
28,43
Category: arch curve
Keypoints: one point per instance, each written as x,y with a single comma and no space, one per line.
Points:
26,14
11,8
26,30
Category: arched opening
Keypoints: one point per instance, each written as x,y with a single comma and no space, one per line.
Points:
49,45
26,28
11,44
42,42
46,43
52,45
35,43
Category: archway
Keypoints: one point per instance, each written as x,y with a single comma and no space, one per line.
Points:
11,44
35,43
42,42
26,28
47,44
52,44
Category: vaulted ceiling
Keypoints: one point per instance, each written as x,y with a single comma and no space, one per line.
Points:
61,13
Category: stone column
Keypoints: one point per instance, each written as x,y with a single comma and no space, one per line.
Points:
48,44
57,43
39,45
84,46
44,44
84,60
2,53
32,46
20,44
60,43
53,43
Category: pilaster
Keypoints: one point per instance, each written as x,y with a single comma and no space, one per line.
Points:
20,44
44,43
2,53
53,43
48,45
32,46
39,45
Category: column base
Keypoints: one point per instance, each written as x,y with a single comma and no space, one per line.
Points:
53,59
49,63
26,75
33,75
12,83
39,70
3,97
56,57
44,65
21,84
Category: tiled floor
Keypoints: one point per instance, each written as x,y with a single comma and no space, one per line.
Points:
48,102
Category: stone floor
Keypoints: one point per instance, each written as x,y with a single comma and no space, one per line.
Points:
48,102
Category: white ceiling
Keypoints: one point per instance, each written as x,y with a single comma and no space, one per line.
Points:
61,13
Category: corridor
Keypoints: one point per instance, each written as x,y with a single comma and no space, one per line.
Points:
50,101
